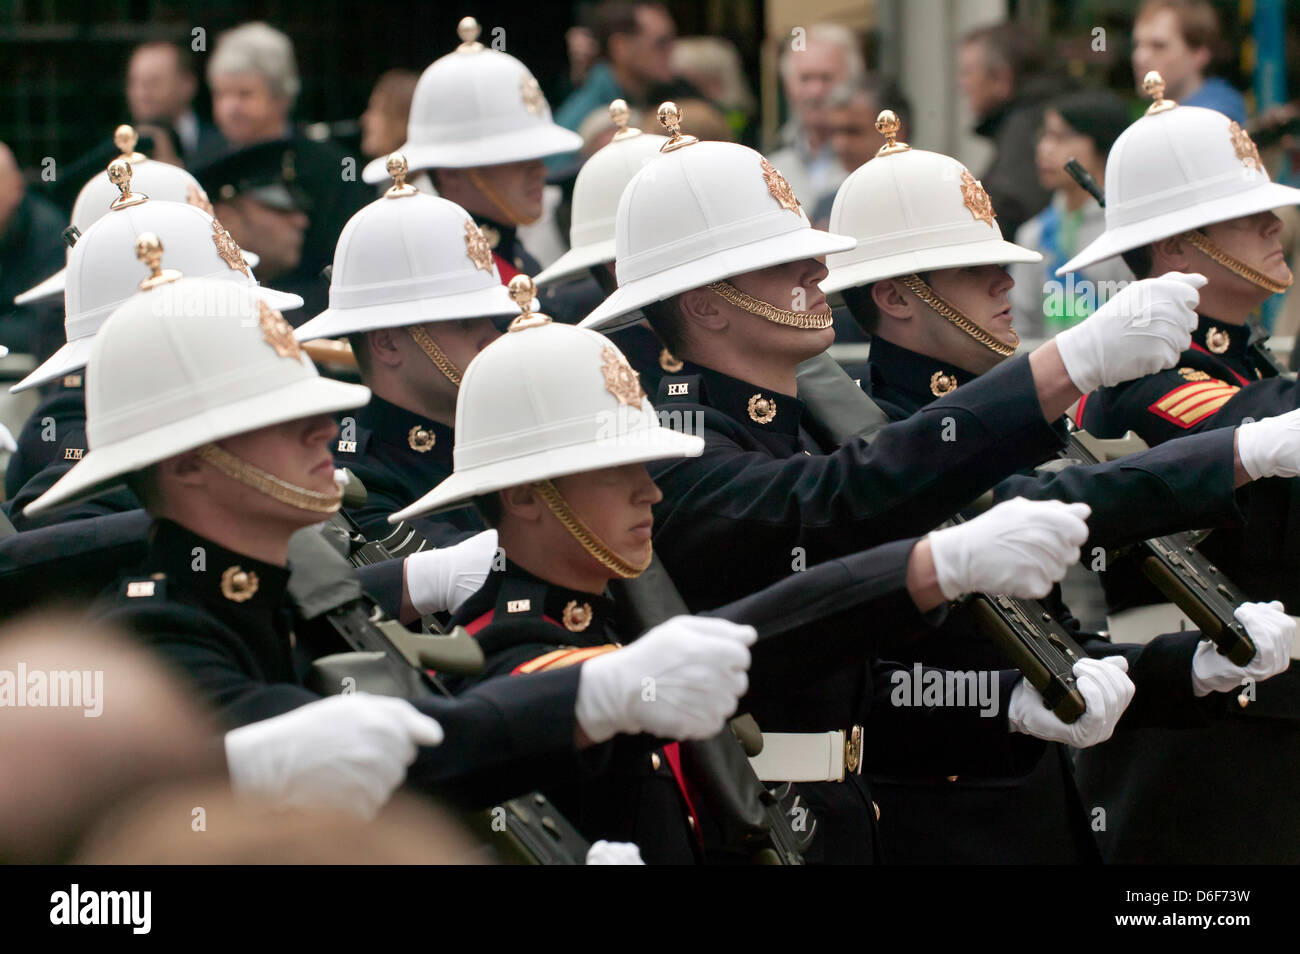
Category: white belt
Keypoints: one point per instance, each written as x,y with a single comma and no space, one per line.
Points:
809,756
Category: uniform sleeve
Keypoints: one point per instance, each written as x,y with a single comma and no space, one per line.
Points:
732,519
941,740
1161,671
1179,485
1163,406
112,500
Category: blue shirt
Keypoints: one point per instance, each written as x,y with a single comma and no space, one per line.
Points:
1215,93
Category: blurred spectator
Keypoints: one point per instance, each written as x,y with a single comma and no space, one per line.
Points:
851,111
129,727
383,124
635,40
713,66
156,830
583,50
1081,126
1175,37
160,88
31,250
254,79
1002,73
829,57
700,118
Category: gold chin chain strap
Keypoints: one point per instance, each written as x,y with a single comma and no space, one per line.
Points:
508,212
269,484
1235,265
921,290
807,320
434,353
597,547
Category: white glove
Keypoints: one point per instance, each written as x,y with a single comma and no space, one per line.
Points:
440,580
1140,331
1273,632
680,680
1107,690
1020,547
1271,447
614,853
345,752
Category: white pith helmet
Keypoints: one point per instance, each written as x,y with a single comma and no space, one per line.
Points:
912,211
596,192
545,400
477,107
1176,169
409,258
157,180
701,213
104,270
193,361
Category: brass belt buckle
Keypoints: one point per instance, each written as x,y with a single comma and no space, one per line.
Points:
853,751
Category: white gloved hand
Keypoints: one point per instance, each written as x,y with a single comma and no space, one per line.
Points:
441,580
1271,447
1020,548
614,853
1140,331
1273,632
344,752
680,680
1107,690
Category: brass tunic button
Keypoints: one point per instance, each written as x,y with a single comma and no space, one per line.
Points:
669,362
1217,340
655,761
952,778
576,616
238,585
421,439
942,383
762,410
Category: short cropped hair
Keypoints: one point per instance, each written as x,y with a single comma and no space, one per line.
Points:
258,48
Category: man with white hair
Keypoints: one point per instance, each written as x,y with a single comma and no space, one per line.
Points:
812,65
254,78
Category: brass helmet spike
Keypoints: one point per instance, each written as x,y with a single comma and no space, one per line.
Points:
396,167
149,249
125,138
1154,85
619,112
887,124
522,292
119,173
468,30
670,117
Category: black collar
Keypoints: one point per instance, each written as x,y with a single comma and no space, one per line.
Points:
516,594
1212,335
397,427
758,408
236,587
900,373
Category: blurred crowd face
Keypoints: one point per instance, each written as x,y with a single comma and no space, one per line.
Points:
245,110
157,89
852,130
1058,143
645,55
11,186
274,234
383,125
811,74
1158,45
985,87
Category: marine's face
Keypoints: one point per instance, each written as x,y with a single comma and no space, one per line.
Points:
793,286
519,185
615,503
1253,239
980,292
296,451
460,341
276,235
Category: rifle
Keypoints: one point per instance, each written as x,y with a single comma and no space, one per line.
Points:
755,820
1174,564
1030,637
389,659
